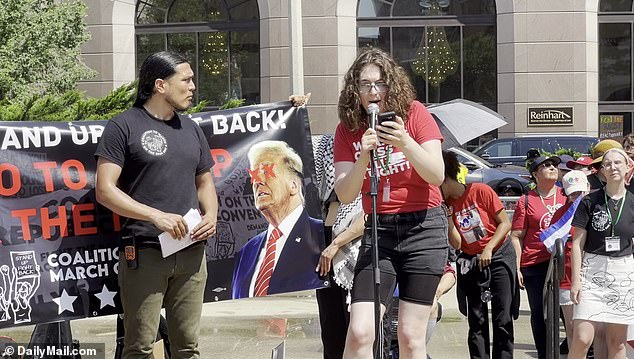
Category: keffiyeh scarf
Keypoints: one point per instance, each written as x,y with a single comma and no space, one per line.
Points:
345,259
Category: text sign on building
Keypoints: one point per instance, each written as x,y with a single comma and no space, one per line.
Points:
552,116
610,126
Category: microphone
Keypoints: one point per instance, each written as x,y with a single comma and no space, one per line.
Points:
373,111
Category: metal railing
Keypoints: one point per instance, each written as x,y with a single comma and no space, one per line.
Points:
556,271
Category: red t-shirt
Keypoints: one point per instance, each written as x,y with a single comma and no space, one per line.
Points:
535,221
408,191
474,217
566,281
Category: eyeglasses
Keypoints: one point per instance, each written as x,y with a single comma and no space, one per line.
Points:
366,87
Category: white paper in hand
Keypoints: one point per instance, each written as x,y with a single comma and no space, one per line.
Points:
170,245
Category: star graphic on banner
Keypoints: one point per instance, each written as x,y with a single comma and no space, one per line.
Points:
65,302
106,297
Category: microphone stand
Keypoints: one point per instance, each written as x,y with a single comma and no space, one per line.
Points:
374,192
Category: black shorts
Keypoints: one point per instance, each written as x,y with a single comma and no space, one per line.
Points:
412,252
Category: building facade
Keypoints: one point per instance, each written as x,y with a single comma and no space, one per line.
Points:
561,67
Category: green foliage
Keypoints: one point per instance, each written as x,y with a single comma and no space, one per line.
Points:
105,108
198,108
73,106
562,151
40,44
232,103
70,106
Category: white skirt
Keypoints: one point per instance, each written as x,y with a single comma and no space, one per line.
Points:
607,294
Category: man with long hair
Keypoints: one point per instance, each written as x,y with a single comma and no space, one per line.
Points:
153,167
412,230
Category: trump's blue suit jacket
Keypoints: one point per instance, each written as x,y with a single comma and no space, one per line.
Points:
295,268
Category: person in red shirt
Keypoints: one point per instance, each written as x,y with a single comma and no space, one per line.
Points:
479,226
412,226
575,184
533,213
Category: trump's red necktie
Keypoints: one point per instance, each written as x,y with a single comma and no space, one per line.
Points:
266,270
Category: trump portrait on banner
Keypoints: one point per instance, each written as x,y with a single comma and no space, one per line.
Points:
284,257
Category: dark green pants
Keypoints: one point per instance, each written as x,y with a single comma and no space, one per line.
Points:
177,283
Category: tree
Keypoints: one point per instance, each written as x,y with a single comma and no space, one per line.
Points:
40,47
73,106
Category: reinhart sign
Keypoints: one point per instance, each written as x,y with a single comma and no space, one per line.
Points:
554,116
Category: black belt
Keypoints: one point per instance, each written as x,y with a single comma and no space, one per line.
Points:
146,239
408,217
152,242
392,218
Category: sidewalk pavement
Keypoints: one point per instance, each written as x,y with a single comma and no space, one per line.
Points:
251,328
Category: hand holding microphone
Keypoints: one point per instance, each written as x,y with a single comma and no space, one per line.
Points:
373,112
370,140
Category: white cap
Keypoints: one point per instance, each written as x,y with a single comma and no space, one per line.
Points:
575,181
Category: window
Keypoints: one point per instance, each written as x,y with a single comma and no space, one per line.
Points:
448,47
616,66
219,37
615,62
526,144
500,149
615,6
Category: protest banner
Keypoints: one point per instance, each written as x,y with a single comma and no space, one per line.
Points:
59,247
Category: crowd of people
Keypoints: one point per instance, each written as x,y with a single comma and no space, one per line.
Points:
423,207
497,257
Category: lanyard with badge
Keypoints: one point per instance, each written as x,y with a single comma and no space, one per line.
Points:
613,243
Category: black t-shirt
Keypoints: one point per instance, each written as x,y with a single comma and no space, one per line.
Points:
160,161
592,216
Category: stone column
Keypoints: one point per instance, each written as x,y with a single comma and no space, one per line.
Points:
547,57
111,49
329,36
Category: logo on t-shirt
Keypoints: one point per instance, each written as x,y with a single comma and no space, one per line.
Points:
471,225
387,160
154,143
544,221
600,220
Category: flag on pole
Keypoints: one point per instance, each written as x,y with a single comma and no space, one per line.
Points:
559,229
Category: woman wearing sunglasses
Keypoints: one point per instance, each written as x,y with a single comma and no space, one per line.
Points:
533,213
